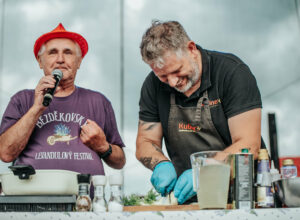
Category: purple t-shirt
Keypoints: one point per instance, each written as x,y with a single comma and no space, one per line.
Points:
55,142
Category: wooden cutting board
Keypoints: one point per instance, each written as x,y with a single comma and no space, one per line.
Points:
143,208
160,208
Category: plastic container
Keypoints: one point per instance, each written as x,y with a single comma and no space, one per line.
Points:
115,203
275,175
43,182
264,190
99,202
263,167
288,169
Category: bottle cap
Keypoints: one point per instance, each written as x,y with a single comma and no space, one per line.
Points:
245,150
263,154
287,162
84,178
116,179
99,180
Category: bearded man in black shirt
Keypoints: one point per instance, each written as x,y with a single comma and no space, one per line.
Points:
196,100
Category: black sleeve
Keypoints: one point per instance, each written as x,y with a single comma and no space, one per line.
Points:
241,93
148,100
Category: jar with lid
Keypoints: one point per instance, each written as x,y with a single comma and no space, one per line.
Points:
83,202
288,169
99,202
115,203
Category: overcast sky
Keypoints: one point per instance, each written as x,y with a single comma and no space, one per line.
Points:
264,34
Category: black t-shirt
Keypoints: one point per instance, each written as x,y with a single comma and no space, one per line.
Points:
232,89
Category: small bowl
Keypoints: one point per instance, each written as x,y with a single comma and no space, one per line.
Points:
288,190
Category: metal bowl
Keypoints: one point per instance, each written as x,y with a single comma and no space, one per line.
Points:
288,190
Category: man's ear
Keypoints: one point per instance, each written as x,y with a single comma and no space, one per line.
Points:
192,47
79,62
40,62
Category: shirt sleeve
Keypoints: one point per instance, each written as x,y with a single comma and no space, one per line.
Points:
241,92
148,100
12,113
111,128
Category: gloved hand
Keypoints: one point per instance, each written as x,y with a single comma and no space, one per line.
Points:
184,187
164,177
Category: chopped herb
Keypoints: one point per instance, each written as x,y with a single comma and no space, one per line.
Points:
131,200
134,200
150,197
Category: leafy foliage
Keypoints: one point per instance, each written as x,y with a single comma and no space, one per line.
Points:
134,200
150,197
131,200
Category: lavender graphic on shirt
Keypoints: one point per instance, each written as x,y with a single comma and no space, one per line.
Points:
62,133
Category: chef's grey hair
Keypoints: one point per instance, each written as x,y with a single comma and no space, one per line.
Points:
161,38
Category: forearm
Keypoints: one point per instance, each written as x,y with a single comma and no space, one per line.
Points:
245,131
253,147
117,158
148,144
149,153
14,140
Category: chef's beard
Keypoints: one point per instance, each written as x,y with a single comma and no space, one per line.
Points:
191,79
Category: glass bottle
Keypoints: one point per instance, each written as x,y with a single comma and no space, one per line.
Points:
288,169
99,202
83,202
115,203
264,190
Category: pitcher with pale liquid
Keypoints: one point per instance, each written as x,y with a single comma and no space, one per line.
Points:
211,176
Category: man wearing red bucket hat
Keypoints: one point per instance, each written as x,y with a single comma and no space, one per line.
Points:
76,131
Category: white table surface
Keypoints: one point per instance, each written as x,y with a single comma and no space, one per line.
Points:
262,214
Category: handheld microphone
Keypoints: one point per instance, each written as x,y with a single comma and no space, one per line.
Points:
58,75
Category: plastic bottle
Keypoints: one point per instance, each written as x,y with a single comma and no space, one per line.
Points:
83,202
288,169
274,173
99,202
264,190
263,166
115,203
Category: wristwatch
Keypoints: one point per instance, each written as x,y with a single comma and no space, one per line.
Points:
106,153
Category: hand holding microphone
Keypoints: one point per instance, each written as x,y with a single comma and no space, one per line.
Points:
58,75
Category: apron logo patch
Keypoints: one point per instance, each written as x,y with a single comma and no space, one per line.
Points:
213,102
183,127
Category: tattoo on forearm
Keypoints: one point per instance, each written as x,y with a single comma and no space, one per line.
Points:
157,148
147,162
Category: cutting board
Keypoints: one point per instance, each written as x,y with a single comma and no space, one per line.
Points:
160,208
144,208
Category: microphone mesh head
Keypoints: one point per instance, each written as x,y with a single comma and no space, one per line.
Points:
58,73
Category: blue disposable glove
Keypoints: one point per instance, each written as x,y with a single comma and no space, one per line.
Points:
184,187
164,177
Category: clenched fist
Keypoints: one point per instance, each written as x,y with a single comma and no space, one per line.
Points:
93,136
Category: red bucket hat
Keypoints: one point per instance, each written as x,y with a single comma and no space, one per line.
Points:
60,32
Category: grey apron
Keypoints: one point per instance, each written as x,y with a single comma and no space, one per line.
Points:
191,130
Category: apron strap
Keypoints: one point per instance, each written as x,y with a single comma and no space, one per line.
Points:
172,102
200,105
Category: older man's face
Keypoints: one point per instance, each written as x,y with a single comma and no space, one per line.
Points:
60,53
